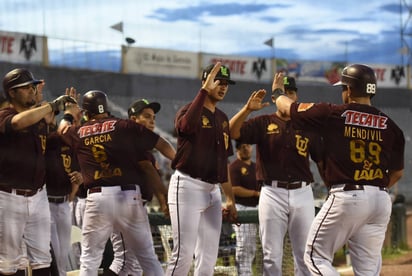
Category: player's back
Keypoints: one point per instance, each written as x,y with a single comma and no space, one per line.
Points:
361,144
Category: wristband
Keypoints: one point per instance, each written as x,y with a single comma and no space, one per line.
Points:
276,93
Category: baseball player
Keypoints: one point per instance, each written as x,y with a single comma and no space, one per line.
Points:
24,208
364,156
125,263
62,182
110,151
286,202
246,191
201,163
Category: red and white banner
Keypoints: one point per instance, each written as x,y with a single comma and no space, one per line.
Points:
243,68
388,76
22,48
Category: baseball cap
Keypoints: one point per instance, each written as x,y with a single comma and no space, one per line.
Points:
290,83
139,105
17,78
222,74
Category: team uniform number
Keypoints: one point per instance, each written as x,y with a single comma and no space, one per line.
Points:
106,170
367,153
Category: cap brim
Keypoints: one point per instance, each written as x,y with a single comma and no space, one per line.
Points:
155,106
228,81
26,83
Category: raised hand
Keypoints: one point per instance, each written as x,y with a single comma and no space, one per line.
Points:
72,92
255,100
210,82
278,82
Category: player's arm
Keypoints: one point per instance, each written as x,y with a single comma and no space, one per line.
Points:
165,148
33,115
394,176
30,117
243,192
254,103
76,179
150,175
282,102
230,208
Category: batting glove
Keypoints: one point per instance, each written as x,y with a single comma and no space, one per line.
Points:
59,104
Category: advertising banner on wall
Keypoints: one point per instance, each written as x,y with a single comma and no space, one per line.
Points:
242,68
159,62
23,48
329,72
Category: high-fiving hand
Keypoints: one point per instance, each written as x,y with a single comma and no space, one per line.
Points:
255,100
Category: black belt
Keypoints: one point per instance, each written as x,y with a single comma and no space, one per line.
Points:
207,180
21,192
57,199
286,185
355,187
122,187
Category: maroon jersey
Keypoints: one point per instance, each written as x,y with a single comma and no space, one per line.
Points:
203,143
108,150
282,153
244,175
361,143
22,164
60,161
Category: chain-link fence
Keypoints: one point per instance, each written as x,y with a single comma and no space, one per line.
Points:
226,263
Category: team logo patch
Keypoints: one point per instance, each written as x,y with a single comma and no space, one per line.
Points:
304,106
244,171
205,122
272,128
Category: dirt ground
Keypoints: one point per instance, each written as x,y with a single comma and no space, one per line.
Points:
400,265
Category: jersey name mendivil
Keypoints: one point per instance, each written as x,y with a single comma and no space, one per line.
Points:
357,140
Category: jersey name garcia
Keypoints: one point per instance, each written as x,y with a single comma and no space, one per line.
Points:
108,150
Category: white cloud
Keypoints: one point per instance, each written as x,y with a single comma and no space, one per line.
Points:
304,29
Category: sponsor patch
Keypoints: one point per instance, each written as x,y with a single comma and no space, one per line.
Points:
304,106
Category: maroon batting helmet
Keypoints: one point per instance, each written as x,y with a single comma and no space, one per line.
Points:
360,78
95,102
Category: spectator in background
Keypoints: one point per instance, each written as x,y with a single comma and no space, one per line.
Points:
246,191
